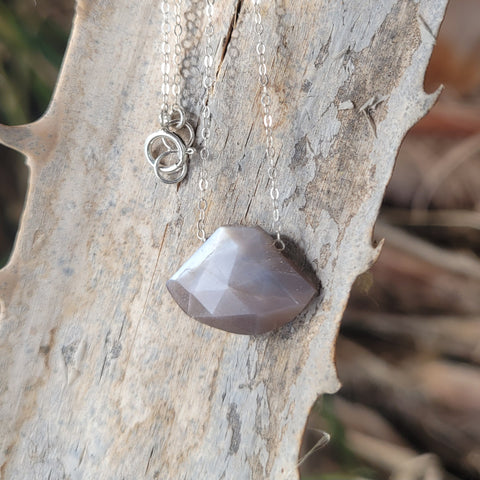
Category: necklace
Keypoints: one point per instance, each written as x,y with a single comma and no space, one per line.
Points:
238,280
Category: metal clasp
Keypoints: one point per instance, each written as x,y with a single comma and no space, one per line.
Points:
175,138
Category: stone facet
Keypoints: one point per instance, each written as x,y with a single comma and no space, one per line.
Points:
239,282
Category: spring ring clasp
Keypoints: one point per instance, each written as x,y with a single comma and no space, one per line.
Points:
174,139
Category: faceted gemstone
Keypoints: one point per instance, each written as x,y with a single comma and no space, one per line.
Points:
239,282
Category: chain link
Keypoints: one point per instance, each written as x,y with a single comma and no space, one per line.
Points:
266,101
165,29
206,120
177,53
174,88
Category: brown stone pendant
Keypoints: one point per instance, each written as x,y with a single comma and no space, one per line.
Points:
239,282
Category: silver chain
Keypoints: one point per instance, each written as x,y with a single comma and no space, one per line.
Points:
266,101
168,150
177,53
166,110
165,7
205,154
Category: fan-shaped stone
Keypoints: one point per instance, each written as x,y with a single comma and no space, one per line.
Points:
239,282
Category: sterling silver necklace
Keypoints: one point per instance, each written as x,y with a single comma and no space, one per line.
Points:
238,280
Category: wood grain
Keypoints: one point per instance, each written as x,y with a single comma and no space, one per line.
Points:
102,376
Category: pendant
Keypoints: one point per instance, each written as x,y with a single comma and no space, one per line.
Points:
239,282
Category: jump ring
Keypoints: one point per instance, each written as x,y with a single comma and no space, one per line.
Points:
174,167
170,178
181,150
279,244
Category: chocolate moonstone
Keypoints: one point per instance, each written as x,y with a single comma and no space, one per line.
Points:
239,282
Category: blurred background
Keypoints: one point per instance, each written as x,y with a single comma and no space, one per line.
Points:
408,354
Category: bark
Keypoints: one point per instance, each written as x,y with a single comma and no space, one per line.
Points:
102,375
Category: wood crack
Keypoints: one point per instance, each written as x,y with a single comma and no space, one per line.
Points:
228,37
149,460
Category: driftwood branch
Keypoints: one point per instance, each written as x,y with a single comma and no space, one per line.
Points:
102,376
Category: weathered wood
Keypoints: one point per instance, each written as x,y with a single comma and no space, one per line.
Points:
102,376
